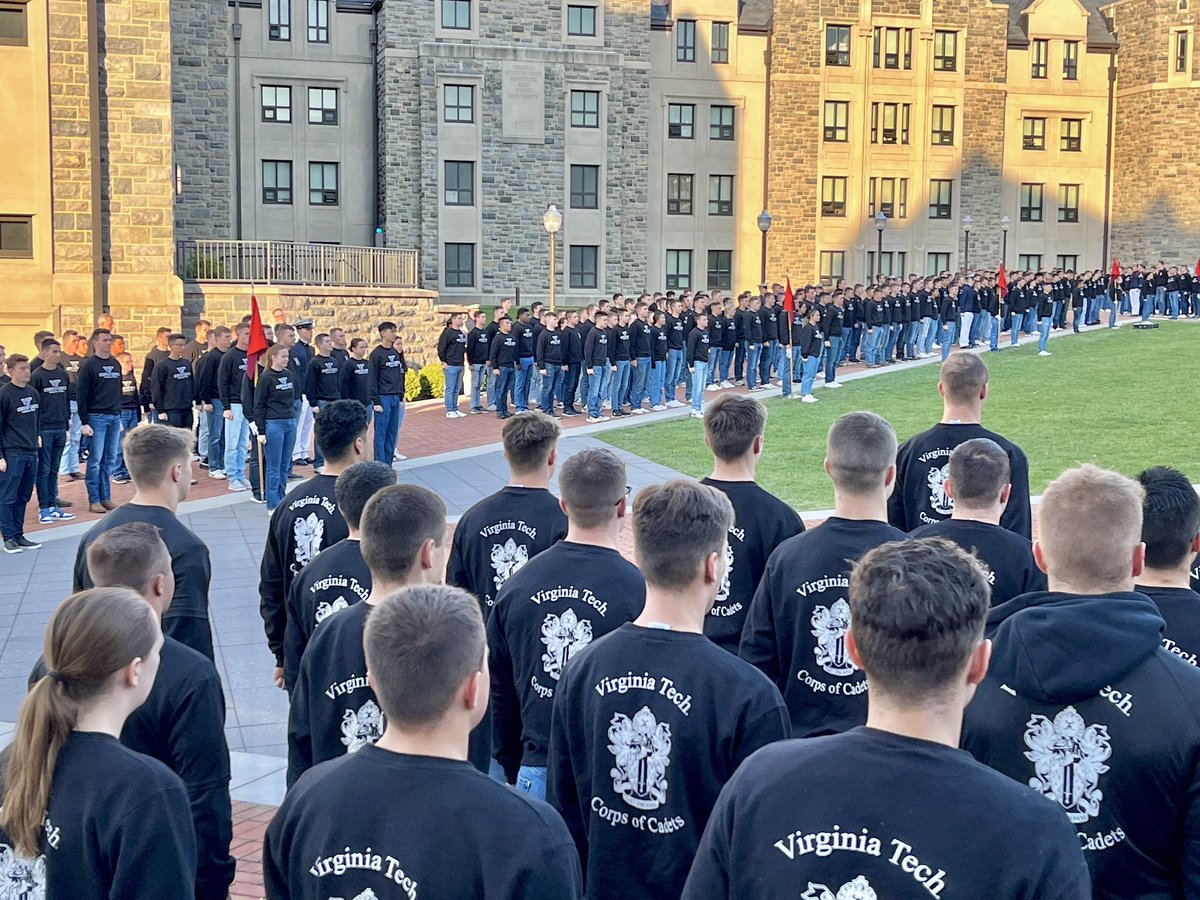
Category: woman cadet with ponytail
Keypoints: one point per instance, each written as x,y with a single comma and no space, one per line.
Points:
84,817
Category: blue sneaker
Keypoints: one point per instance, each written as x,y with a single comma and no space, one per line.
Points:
48,516
62,516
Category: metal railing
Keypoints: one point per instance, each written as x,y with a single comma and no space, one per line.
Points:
284,262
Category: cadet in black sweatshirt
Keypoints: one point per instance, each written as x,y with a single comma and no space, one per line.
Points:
1171,533
19,436
173,386
356,376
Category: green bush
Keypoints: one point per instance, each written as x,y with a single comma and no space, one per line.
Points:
413,388
433,380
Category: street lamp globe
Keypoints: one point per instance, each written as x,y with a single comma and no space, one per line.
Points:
764,221
967,222
552,220
880,220
1004,223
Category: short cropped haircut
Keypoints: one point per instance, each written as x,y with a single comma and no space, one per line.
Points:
130,555
676,525
283,328
979,470
172,338
592,483
917,609
1170,517
358,484
386,326
16,359
151,450
963,376
732,422
860,447
528,440
394,525
221,330
337,426
1089,521
422,643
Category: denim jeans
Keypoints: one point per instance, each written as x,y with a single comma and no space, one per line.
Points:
1077,318
656,382
1173,297
753,354
1113,308
809,372
70,457
989,330
387,426
619,383
893,335
551,383
49,456
1043,332
281,437
723,363
454,376
674,373
699,374
641,381
949,333
765,360
102,459
216,436
237,436
524,377
477,370
129,421
868,345
318,456
16,487
500,387
850,351
1160,300
783,366
832,355
797,364
597,382
570,386
714,357
739,360
531,780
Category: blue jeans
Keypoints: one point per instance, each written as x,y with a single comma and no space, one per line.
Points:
809,373
948,334
783,366
237,436
477,370
501,384
766,359
281,438
893,335
620,383
723,365
657,374
753,354
1043,332
387,426
531,780
524,377
714,357
1174,298
852,342
318,456
641,381
70,457
102,459
797,364
868,344
551,383
454,375
16,487
674,373
832,355
699,375
49,456
597,383
216,435
129,421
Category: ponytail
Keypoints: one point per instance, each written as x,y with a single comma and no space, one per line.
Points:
91,636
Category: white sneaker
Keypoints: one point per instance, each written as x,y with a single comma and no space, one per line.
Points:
219,476
637,411
451,415
833,384
710,387
696,415
727,384
238,486
607,404
674,404
1043,353
809,399
592,420
658,407
398,457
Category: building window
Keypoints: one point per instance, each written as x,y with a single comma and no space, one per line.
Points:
1029,262
1031,202
679,195
456,15
1039,54
892,48
685,40
720,123
889,123
720,42
945,52
837,121
943,126
318,21
720,270
460,183
1070,60
681,118
276,103
1181,52
14,25
460,265
277,182
585,265
585,187
279,20
937,263
833,265
941,198
889,196
720,195
679,269
322,184
1072,135
322,106
833,195
460,103
16,236
1068,262
581,21
837,45
585,109
889,263
1068,203
1033,134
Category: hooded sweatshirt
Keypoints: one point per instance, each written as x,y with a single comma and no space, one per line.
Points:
1084,705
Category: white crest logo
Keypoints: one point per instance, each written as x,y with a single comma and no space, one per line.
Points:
1068,757
938,499
507,560
21,878
308,533
829,626
325,609
723,593
641,748
858,889
362,727
368,894
564,636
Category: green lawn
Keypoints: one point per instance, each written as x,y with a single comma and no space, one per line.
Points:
1122,400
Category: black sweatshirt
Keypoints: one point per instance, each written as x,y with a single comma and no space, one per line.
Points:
182,725
98,387
452,346
356,381
659,337
275,394
526,338
697,347
551,349
648,725
173,385
207,368
18,419
1007,556
323,380
336,579
923,465
378,824
1082,704
674,329
574,344
1180,609
230,375
642,345
620,343
761,522
154,356
54,404
873,814
387,373
306,521
478,342
811,341
595,348
796,630
117,826
555,606
503,352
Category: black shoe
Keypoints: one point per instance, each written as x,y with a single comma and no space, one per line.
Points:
204,463
62,504
570,412
13,547
75,476
25,542
501,415
256,498
294,476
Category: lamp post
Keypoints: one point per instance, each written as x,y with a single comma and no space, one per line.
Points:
967,222
552,222
880,224
1004,223
764,225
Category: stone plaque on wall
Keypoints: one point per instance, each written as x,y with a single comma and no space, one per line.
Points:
523,101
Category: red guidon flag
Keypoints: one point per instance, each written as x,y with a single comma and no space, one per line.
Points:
1002,282
258,340
1116,269
789,299
1198,268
